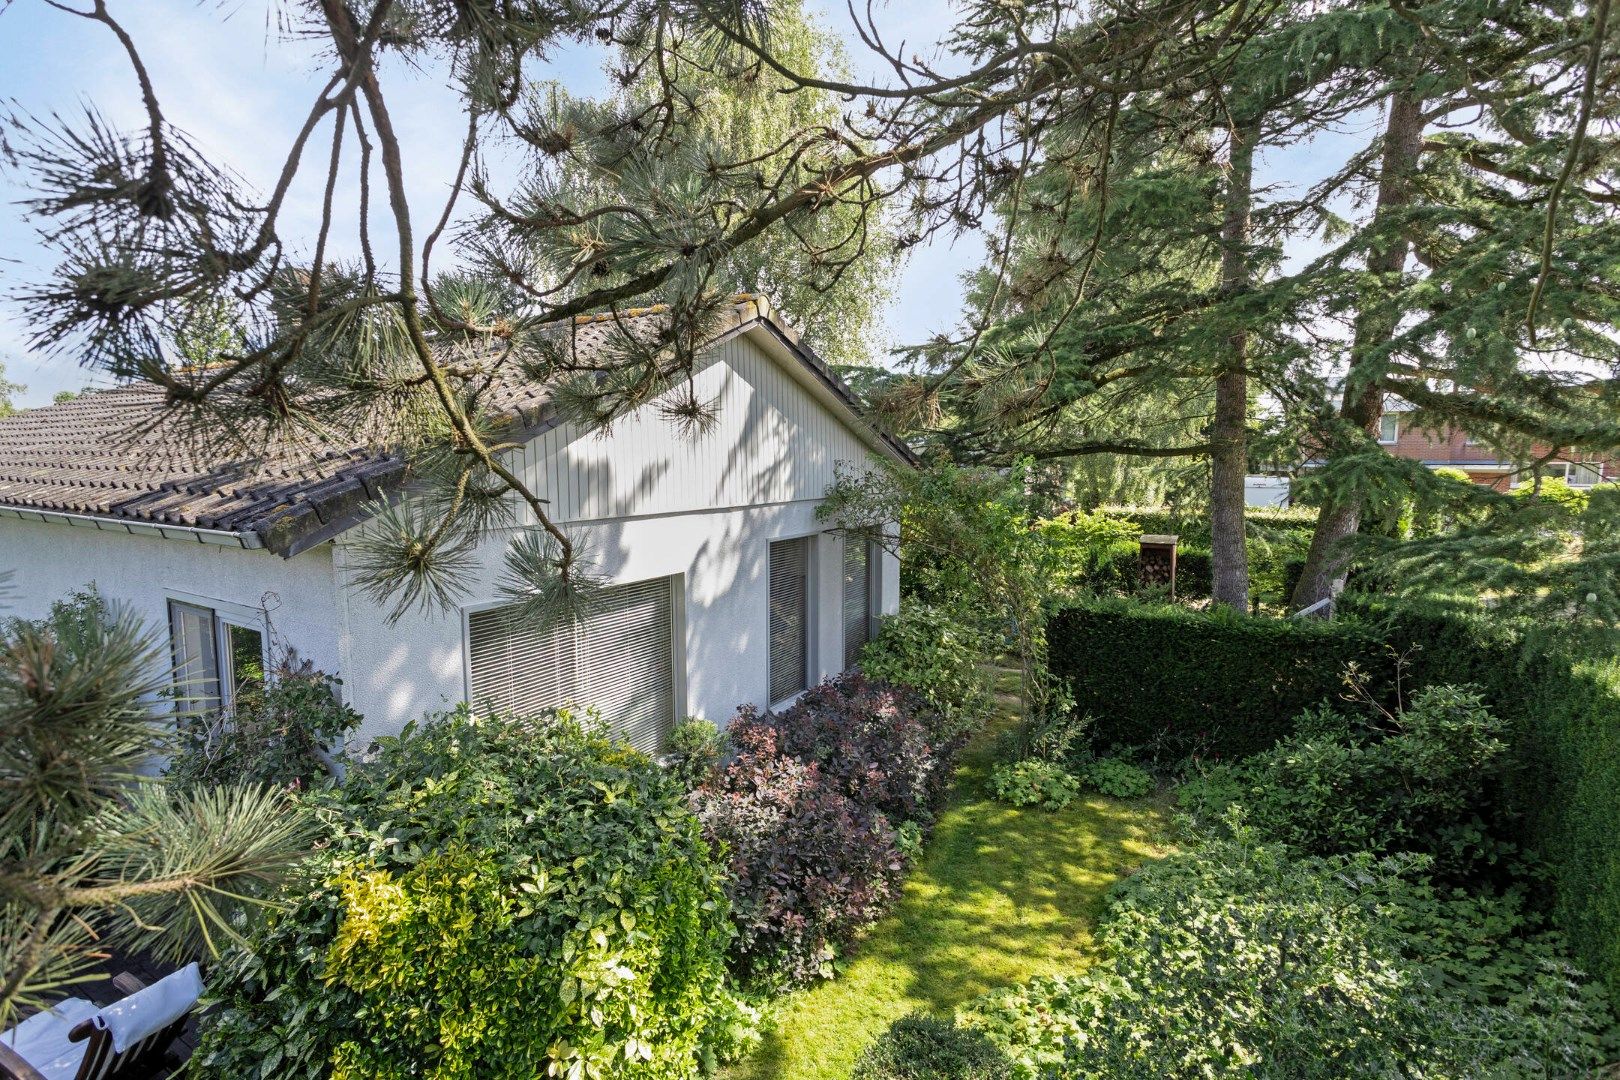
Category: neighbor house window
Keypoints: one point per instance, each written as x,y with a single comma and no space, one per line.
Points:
1583,473
1389,427
860,564
216,657
619,658
789,660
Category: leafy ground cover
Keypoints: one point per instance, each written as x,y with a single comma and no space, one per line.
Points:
1001,895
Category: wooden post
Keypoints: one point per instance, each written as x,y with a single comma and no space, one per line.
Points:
1158,561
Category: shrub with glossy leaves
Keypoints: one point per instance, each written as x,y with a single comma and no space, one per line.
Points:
278,732
810,866
1239,959
920,1047
504,898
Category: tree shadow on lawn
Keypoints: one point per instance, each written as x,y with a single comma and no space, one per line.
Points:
1001,895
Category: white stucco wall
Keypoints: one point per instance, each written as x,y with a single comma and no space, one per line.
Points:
647,502
397,671
48,560
644,501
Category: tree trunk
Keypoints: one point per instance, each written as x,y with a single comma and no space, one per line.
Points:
1363,403
1228,458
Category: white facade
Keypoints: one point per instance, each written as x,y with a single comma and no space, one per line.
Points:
1267,490
642,500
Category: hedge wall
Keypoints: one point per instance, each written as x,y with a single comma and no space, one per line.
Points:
1174,682
1562,797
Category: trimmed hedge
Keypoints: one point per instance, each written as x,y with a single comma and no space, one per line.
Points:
1560,694
1169,682
1173,682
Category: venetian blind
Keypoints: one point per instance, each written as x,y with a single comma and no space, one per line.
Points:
620,659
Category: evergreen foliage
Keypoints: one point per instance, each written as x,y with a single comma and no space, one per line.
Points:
94,854
1558,696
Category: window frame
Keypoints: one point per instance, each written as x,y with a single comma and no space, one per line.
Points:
677,613
874,597
1394,419
1570,467
223,615
812,553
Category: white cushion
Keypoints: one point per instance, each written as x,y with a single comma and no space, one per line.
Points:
42,1039
152,1009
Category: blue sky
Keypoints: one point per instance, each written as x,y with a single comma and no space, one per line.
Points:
228,79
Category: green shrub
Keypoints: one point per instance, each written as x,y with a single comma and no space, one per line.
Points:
503,898
1097,552
1084,548
920,1047
1169,682
937,654
1239,960
1034,782
278,732
1559,693
1415,780
1174,682
695,749
1119,779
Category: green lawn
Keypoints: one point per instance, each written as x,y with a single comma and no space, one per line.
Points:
1001,895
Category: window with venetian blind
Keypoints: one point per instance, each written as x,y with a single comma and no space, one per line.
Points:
620,659
857,604
789,661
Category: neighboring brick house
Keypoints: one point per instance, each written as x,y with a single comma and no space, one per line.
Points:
1456,450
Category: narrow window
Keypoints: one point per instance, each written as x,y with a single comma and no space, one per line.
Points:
194,637
858,567
246,669
788,664
1389,427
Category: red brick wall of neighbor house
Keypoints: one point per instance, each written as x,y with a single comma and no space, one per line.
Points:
1453,450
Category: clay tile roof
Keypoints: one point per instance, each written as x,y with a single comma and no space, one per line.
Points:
121,454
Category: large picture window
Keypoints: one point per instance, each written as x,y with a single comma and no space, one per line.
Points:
620,658
789,662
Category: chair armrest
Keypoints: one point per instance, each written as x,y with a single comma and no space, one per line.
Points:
13,1067
127,984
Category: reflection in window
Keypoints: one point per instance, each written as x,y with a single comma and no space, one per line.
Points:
215,661
247,660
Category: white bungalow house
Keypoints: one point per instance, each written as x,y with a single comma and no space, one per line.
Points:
726,588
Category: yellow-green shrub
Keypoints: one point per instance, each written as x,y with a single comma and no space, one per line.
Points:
505,898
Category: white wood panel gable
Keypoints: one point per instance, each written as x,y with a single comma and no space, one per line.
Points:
773,442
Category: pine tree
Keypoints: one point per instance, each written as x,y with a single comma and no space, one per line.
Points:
94,854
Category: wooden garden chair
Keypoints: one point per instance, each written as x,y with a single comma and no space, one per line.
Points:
76,1040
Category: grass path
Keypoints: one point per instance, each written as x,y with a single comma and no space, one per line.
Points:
1001,895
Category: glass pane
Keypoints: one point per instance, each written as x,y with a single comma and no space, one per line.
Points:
247,659
1388,427
1584,474
196,656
